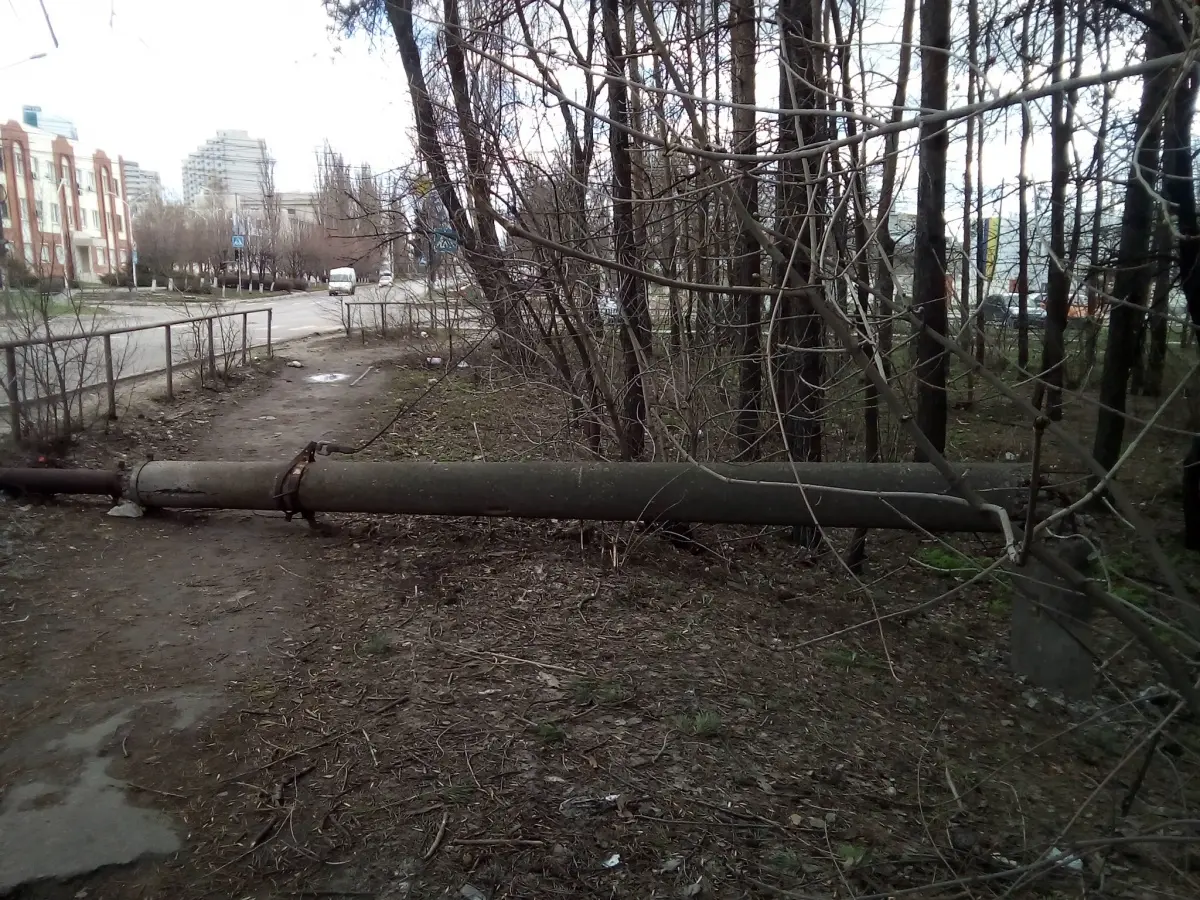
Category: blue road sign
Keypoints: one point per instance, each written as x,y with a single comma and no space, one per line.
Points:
135,257
239,242
445,240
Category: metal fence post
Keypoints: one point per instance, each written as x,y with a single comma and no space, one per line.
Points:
383,319
270,315
212,351
10,388
110,382
245,335
170,365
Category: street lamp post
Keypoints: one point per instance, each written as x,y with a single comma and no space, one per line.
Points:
132,240
64,190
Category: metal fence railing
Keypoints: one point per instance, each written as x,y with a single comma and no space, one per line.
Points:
63,376
406,314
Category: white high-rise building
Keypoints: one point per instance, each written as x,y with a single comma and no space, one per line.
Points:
225,169
141,185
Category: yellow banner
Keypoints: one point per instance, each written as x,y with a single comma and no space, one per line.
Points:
993,246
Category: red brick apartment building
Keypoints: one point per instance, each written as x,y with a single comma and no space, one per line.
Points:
63,208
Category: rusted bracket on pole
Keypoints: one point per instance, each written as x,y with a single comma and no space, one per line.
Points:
287,489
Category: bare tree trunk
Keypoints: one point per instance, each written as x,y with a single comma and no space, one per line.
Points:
1180,189
885,283
1150,379
1133,271
929,266
983,251
480,247
860,310
632,290
744,46
638,182
1094,275
1080,177
965,284
797,368
1058,285
1023,207
674,245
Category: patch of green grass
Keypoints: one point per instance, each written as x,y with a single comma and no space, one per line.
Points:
549,733
703,724
599,692
1124,564
32,308
787,861
1131,594
944,560
852,659
1000,605
852,855
377,644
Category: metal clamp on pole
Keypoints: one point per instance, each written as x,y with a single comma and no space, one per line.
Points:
328,448
287,488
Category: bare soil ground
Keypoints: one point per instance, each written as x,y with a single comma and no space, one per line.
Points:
416,708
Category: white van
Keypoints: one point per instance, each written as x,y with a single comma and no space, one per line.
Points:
342,281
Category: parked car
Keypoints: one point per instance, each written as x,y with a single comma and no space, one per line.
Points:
1004,309
995,309
385,279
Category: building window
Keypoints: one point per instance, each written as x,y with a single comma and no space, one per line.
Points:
120,226
41,213
60,254
45,254
104,179
3,209
18,162
71,217
79,178
34,169
53,213
91,182
95,220
124,257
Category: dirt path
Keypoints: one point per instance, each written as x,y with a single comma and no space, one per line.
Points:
179,608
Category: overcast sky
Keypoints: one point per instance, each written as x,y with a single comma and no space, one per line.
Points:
151,80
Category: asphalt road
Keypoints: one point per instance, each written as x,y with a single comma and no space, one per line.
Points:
81,361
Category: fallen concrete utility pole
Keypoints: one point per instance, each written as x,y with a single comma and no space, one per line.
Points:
835,495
